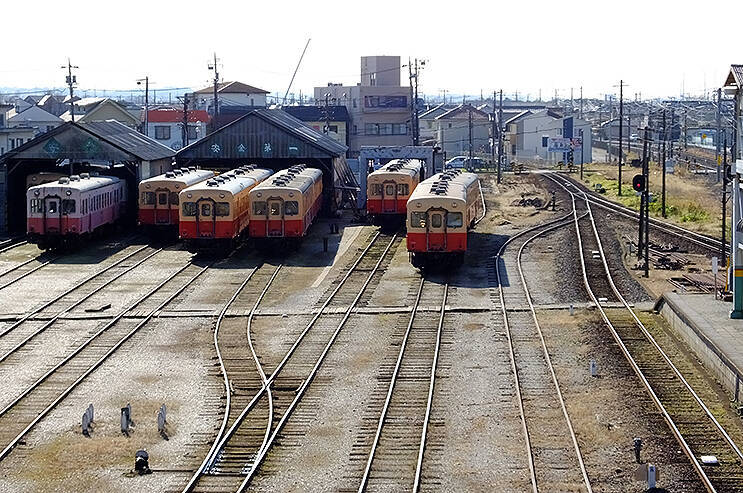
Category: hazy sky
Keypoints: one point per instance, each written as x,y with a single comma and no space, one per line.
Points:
654,45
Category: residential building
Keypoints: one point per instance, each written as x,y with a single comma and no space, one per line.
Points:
427,121
89,110
236,99
335,118
53,104
165,125
455,127
529,135
378,105
35,118
12,137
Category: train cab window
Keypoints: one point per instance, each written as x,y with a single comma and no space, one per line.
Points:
162,199
37,206
259,208
206,209
402,189
454,220
189,209
417,219
148,198
390,189
173,198
222,209
376,189
291,208
275,208
68,206
436,220
52,207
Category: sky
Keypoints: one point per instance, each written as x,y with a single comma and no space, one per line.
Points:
657,47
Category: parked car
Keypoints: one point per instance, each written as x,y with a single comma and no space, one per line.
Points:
464,162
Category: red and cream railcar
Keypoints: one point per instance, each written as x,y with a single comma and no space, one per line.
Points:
158,196
63,212
286,205
214,214
441,210
388,188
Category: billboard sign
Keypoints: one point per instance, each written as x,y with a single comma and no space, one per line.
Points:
558,144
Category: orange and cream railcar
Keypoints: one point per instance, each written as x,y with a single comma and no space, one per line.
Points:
286,205
73,208
441,210
214,214
388,188
158,196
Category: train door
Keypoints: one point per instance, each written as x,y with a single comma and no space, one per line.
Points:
389,197
162,207
275,223
436,230
52,221
205,218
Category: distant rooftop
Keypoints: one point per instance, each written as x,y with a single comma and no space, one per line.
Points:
232,88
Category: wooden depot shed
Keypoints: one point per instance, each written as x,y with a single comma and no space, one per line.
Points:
271,138
107,147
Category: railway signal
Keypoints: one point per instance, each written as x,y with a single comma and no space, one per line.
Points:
638,183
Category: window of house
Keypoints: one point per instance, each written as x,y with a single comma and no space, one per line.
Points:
371,129
385,129
355,129
162,132
291,208
401,129
189,209
373,79
355,103
259,208
192,132
559,131
545,141
333,128
450,125
252,102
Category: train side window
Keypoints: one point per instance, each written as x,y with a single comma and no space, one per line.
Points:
148,198
390,189
206,209
275,208
454,220
189,209
162,199
68,206
417,219
402,189
173,198
291,208
221,209
436,221
259,208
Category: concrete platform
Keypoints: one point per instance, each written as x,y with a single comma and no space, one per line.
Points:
705,324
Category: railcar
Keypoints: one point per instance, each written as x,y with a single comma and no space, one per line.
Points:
286,205
388,188
440,212
63,212
42,177
158,196
214,214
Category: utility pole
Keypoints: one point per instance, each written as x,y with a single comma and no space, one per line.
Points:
719,130
663,164
494,132
629,129
416,123
621,117
723,244
469,112
71,81
581,102
501,130
185,120
641,237
686,130
326,127
412,101
146,81
215,67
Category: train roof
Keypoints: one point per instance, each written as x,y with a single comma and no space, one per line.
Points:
298,177
451,183
408,167
82,182
234,181
187,176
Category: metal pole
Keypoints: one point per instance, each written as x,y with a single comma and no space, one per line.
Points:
719,130
185,120
641,236
663,164
621,117
146,103
501,130
723,245
470,132
647,213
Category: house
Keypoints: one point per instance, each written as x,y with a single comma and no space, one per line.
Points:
427,121
453,131
529,136
53,104
35,118
378,105
12,137
229,94
335,117
165,125
89,110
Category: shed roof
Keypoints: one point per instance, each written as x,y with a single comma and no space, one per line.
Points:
735,76
232,87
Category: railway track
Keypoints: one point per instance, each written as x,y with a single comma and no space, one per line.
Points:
12,275
11,243
554,458
249,432
395,457
28,408
707,242
691,422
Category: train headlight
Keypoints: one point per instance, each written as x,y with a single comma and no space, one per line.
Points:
418,205
147,185
36,193
291,194
454,205
259,194
68,192
189,195
221,195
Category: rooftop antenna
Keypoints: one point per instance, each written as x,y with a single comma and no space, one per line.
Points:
296,69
